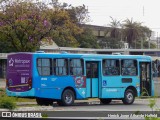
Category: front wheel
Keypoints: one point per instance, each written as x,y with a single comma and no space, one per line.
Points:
129,97
67,98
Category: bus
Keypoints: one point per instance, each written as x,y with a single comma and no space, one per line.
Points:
66,77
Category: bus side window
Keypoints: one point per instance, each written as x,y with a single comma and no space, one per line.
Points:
61,67
110,67
129,67
44,66
76,67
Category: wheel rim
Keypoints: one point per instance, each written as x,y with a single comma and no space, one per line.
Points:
68,98
129,97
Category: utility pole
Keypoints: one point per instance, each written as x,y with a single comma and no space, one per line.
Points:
149,44
157,41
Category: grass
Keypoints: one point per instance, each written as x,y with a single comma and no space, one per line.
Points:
18,99
7,102
27,105
10,102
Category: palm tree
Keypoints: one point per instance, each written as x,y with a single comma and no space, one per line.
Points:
112,35
114,28
132,31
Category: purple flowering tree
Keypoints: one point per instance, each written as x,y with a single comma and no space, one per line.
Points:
23,25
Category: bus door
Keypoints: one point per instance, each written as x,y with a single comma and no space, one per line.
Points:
92,78
145,78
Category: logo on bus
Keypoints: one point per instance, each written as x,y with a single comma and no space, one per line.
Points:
10,82
80,81
11,62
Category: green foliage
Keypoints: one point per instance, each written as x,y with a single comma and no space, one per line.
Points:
152,118
79,14
87,40
64,29
64,21
23,24
110,42
7,102
152,105
44,115
134,31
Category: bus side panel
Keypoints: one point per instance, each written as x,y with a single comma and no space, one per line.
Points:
113,92
53,86
114,87
80,93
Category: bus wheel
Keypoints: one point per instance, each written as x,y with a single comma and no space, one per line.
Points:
44,101
67,98
105,101
128,97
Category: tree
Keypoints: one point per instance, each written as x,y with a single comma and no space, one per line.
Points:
135,32
132,31
110,43
80,14
112,37
67,18
86,39
145,37
64,28
114,30
23,25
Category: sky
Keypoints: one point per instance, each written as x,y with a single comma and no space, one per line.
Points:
145,11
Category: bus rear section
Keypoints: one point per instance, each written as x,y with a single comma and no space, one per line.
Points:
19,75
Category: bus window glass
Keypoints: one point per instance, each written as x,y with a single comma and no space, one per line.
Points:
110,67
44,67
61,67
76,67
148,72
129,67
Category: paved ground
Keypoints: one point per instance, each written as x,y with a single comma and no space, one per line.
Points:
90,109
91,105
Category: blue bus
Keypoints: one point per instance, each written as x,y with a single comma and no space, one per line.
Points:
65,77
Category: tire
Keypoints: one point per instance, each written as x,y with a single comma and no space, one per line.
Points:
129,97
67,98
105,101
44,101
